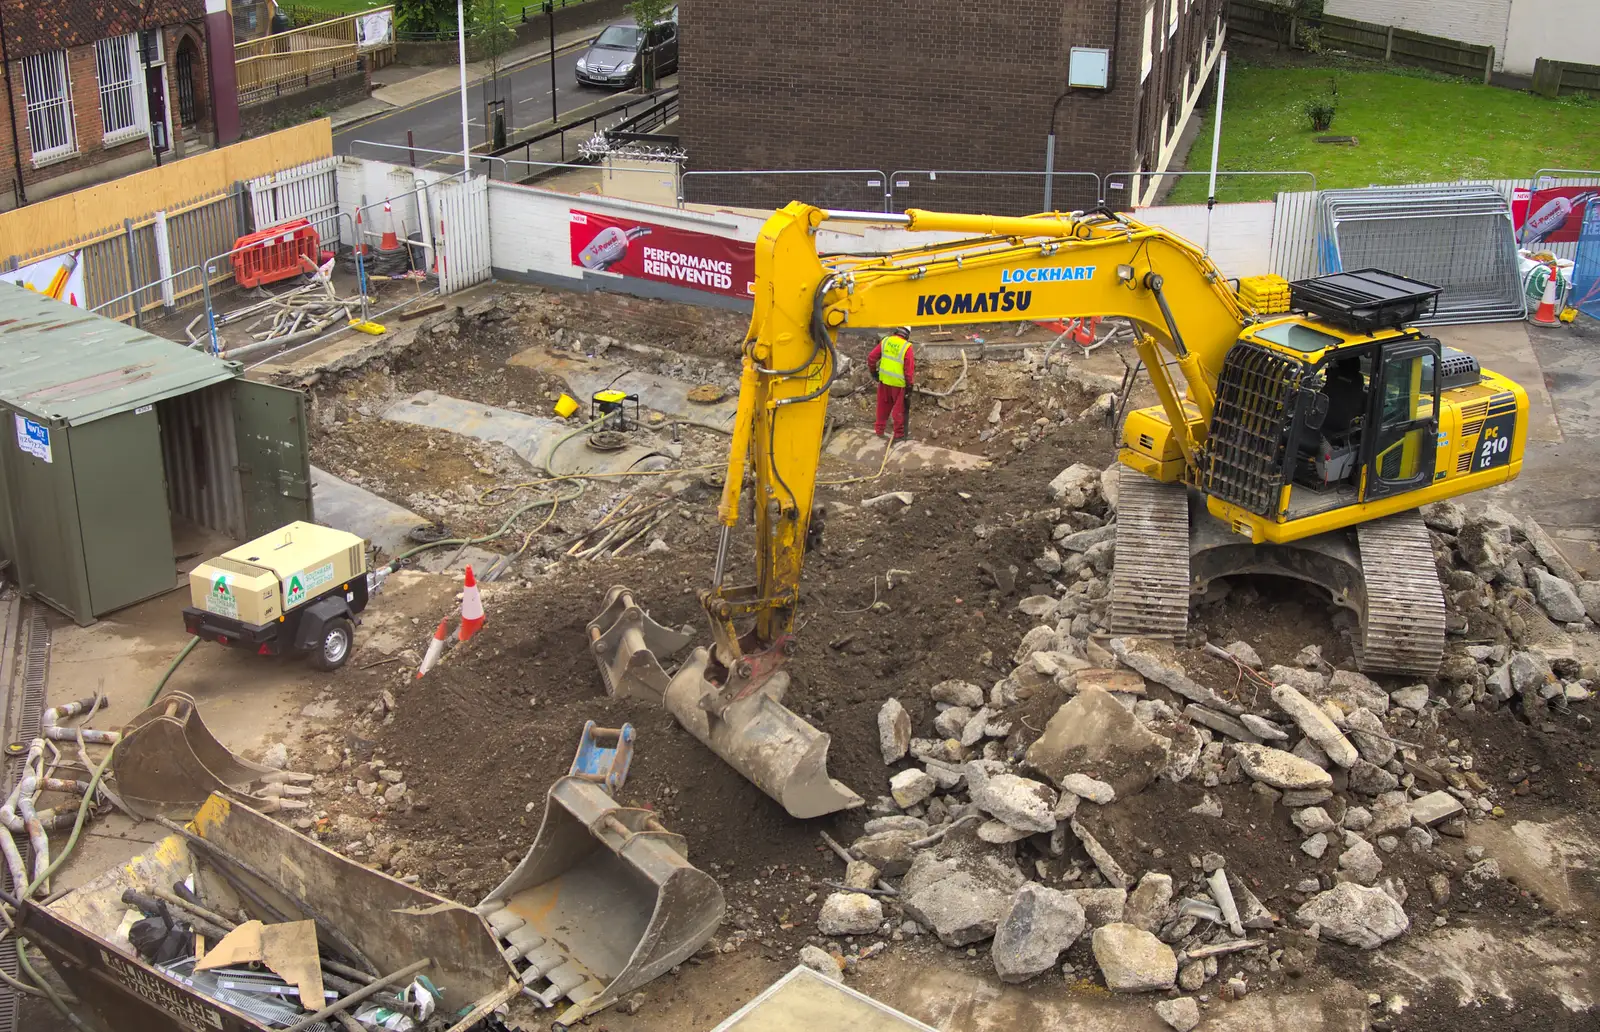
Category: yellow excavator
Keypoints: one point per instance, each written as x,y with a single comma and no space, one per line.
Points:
1297,445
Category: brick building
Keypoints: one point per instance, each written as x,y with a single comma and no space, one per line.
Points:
937,85
96,89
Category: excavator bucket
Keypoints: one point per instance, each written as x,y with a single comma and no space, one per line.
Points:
169,762
762,739
626,644
605,901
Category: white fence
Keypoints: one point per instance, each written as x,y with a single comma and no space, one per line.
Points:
306,192
463,221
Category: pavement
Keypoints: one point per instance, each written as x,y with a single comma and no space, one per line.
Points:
428,105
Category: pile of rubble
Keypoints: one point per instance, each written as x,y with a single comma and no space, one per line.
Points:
981,837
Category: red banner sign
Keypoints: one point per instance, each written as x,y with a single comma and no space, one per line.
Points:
644,250
1552,216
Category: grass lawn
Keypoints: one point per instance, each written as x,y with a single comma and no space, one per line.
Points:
1413,127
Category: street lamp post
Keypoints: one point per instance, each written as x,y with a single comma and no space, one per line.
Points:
461,53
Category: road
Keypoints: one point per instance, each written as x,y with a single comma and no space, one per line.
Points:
436,123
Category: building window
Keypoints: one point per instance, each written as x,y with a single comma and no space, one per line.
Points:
1148,60
49,96
121,113
1172,17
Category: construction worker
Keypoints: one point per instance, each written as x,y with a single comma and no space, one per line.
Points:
893,363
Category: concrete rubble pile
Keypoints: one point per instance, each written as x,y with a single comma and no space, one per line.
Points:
988,833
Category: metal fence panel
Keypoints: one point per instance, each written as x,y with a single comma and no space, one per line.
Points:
1295,254
195,235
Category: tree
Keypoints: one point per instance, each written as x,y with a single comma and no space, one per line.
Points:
647,14
492,37
422,15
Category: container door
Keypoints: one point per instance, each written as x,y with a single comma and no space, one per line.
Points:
122,509
274,462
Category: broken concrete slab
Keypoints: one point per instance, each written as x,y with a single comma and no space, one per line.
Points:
1316,724
1280,769
1108,867
344,506
910,787
1094,734
531,437
1435,807
1039,926
854,444
1088,788
1157,662
957,693
657,392
1219,722
1559,598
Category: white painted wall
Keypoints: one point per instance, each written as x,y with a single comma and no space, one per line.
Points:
1562,30
1241,234
1470,21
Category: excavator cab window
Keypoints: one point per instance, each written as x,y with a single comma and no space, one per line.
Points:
1329,447
1399,454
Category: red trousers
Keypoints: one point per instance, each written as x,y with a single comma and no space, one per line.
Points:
891,400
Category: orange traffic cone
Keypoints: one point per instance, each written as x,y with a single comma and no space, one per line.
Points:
435,647
361,235
471,608
1546,315
391,240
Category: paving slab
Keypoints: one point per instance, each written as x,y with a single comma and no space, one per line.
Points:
531,437
344,506
657,392
866,448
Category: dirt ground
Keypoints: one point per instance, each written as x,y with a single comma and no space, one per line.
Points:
481,738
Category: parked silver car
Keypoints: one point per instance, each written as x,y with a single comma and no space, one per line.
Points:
612,60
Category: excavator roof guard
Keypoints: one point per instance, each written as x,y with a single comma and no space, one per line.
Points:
1364,300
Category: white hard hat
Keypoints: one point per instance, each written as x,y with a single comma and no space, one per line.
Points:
903,331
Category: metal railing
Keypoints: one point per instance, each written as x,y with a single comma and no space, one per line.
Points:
1127,178
961,181
871,179
650,101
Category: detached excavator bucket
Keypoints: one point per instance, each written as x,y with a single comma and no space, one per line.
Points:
627,645
605,901
169,762
762,739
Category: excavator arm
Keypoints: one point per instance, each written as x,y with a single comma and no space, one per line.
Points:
997,269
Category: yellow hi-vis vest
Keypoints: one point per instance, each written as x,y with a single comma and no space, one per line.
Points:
891,363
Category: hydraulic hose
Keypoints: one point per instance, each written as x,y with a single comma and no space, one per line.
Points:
171,668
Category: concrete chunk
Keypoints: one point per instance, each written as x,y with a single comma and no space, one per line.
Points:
1316,724
850,913
1280,769
1132,960
1023,803
894,731
1039,925
1355,915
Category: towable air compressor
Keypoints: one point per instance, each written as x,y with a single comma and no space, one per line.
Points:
297,589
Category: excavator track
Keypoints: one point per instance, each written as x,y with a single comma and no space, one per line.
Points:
1150,582
1402,621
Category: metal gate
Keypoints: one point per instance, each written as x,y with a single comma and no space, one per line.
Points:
463,213
304,192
